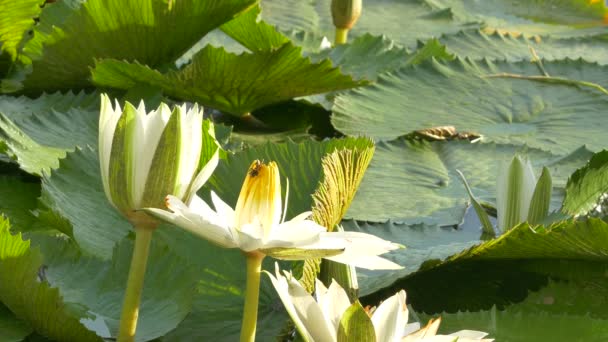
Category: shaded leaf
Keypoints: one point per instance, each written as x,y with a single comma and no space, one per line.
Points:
149,31
500,109
13,329
586,185
237,84
32,300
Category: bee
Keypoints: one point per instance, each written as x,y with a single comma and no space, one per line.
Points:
254,170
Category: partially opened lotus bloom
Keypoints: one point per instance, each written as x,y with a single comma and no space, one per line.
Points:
145,156
257,225
328,318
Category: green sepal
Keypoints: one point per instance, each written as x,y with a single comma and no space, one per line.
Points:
514,187
165,168
486,224
541,199
299,253
121,166
355,325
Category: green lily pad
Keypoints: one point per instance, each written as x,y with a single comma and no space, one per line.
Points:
502,109
587,185
33,300
542,316
17,18
237,84
416,181
13,329
505,269
218,306
18,197
564,17
33,131
98,286
403,21
71,35
476,44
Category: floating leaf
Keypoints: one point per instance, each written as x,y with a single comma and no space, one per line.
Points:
501,109
476,44
13,329
237,84
416,181
72,34
586,185
33,300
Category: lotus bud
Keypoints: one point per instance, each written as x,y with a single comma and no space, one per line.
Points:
146,156
345,13
519,197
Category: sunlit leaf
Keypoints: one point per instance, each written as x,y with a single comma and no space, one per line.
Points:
586,185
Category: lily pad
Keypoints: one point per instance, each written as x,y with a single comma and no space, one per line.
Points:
563,17
71,35
487,98
13,329
98,286
587,185
403,21
33,299
416,181
477,44
237,84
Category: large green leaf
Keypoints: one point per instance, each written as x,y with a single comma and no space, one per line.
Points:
354,58
75,192
422,243
98,286
18,197
13,329
17,18
477,44
546,114
33,299
506,268
416,181
72,34
299,163
587,185
403,21
33,131
565,17
237,84
541,317
218,307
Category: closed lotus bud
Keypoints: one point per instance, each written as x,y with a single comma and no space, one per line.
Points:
146,156
345,13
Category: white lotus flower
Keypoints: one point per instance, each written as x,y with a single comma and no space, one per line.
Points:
257,224
145,156
318,320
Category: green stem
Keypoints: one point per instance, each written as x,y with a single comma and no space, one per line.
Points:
252,296
135,283
341,36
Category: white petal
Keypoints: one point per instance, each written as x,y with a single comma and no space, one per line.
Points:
470,334
251,236
142,152
310,313
301,217
390,318
223,209
190,150
361,250
282,287
204,174
333,301
527,191
294,234
183,217
108,118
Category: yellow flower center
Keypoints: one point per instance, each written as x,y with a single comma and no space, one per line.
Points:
260,197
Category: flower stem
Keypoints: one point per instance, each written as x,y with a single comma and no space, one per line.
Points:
341,36
135,284
252,295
